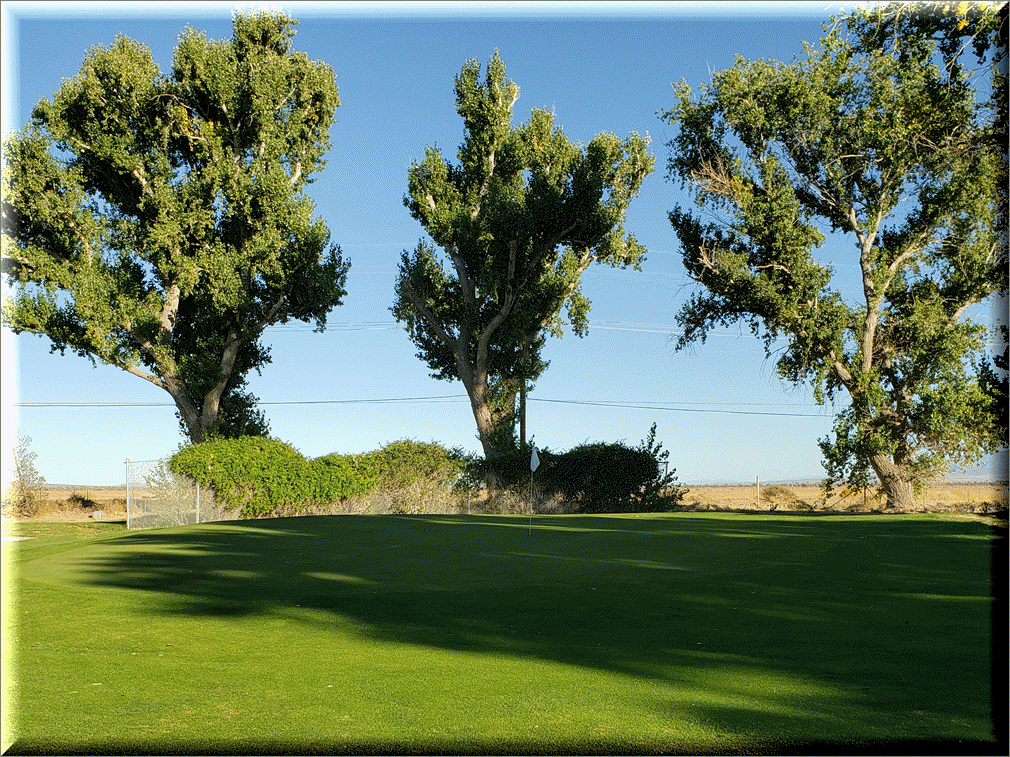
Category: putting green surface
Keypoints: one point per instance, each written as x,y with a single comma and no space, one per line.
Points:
686,633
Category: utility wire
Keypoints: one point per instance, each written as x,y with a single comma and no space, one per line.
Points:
675,409
698,407
364,401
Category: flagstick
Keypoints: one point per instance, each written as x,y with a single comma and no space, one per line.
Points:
534,464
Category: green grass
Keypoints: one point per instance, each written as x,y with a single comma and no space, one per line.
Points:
688,633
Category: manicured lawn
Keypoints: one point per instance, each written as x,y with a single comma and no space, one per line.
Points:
686,633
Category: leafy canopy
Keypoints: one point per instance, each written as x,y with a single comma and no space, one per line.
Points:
159,222
518,219
871,137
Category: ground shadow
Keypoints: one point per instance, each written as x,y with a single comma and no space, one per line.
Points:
852,606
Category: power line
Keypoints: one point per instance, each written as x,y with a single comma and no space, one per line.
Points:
683,407
360,401
675,409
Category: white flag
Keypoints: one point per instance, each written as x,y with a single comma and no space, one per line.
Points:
534,460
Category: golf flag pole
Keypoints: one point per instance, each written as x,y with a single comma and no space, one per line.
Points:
534,464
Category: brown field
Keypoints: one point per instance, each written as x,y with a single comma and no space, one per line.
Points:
978,498
80,503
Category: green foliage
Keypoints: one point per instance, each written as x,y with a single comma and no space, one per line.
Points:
866,135
603,477
592,477
408,476
517,220
159,222
25,494
403,463
259,476
993,381
662,492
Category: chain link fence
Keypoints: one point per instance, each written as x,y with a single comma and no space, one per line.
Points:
157,497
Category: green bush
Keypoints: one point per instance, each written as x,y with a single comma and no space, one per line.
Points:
259,476
509,471
403,463
592,477
601,476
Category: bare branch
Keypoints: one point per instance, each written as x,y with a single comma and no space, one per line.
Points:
714,178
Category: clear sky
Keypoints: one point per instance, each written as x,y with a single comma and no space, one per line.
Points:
720,409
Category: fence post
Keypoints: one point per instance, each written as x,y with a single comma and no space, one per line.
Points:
127,494
197,501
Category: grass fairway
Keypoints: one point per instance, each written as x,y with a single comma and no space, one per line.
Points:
687,633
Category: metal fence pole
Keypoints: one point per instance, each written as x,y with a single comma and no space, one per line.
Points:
197,501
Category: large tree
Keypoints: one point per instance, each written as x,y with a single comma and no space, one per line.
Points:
159,223
871,137
517,220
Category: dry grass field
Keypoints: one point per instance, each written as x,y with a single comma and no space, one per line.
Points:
78,503
977,498
81,503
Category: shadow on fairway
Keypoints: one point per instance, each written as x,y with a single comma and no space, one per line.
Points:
769,618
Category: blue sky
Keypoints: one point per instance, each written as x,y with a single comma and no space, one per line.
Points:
720,409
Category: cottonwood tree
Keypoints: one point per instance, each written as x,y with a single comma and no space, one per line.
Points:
872,138
159,222
514,225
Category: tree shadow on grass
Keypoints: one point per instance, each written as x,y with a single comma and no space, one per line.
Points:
764,624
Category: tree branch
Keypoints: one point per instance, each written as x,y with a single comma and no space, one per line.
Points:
428,316
461,273
170,308
296,175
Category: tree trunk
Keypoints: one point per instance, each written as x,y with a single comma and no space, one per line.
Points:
476,388
475,381
190,416
896,483
522,398
485,425
522,414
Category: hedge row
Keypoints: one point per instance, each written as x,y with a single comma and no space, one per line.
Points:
258,476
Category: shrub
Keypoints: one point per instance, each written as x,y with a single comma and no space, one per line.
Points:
605,477
509,471
783,496
259,476
403,463
26,494
592,477
662,492
76,499
412,477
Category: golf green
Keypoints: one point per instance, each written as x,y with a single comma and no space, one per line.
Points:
678,633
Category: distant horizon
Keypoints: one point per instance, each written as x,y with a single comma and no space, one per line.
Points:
977,477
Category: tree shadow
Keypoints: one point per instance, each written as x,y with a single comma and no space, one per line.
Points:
858,610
